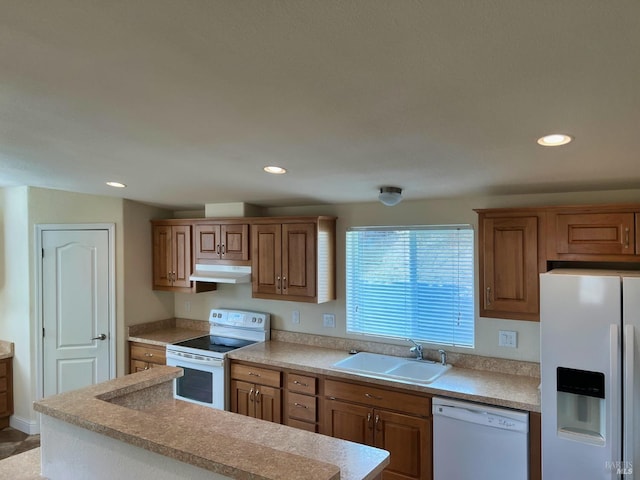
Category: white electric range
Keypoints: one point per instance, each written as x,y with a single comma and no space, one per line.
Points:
203,359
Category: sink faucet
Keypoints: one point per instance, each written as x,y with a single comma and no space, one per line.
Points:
417,349
443,357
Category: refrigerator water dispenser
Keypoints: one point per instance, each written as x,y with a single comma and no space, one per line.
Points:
581,405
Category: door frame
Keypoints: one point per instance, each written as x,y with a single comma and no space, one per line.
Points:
111,302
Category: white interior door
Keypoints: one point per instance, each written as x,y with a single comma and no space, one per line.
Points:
75,309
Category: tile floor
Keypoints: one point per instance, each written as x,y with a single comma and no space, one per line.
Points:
14,441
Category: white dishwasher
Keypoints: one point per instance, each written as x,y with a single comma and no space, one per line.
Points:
474,441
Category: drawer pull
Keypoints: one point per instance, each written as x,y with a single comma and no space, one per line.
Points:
254,374
369,421
488,296
296,382
300,405
148,354
257,396
368,395
626,237
251,395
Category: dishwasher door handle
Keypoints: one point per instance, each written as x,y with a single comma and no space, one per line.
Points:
481,418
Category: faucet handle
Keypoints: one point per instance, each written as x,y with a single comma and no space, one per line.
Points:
443,356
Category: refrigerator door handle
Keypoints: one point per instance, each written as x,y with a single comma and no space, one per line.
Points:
627,415
614,381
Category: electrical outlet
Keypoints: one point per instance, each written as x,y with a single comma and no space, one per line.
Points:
187,306
295,317
329,320
507,338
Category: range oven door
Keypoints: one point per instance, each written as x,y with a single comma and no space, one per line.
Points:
203,380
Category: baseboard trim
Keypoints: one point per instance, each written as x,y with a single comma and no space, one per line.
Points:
24,425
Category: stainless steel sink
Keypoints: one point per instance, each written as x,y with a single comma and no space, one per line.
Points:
392,368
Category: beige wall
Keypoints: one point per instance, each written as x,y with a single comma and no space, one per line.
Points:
439,211
141,303
21,208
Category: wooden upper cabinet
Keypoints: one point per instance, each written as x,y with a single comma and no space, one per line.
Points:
510,262
219,243
294,259
171,256
589,235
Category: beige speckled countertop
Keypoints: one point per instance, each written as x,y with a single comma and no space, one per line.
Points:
6,349
171,330
139,409
494,388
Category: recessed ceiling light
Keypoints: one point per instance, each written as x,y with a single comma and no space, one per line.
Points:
554,140
275,170
116,184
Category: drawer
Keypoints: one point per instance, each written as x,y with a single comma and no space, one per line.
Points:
138,366
309,427
4,403
148,353
3,384
378,397
3,368
302,384
253,374
301,407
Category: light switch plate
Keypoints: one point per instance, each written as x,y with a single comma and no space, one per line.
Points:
329,320
507,338
295,317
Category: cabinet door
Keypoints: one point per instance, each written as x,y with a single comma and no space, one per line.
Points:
242,398
408,440
162,257
234,242
510,266
298,259
207,242
268,403
266,259
595,233
181,250
349,422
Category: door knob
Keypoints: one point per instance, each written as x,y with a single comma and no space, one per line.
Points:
102,336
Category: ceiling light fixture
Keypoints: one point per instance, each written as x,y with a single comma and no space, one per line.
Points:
275,170
554,140
390,196
116,184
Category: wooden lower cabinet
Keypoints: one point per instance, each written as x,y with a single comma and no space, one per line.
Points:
143,356
301,401
255,392
257,401
406,436
6,391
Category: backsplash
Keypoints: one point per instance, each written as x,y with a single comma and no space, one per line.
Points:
460,360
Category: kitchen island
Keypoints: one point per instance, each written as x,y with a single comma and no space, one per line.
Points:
132,427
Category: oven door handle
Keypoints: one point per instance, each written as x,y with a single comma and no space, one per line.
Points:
211,362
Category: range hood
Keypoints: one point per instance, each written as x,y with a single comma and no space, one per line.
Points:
221,274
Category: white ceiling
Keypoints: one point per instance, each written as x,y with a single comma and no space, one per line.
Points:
186,100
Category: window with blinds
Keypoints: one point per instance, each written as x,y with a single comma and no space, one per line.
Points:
411,282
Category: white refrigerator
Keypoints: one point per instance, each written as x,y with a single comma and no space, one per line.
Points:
589,364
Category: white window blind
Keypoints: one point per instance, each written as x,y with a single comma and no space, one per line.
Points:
411,282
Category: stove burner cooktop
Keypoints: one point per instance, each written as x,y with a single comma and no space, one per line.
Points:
214,343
